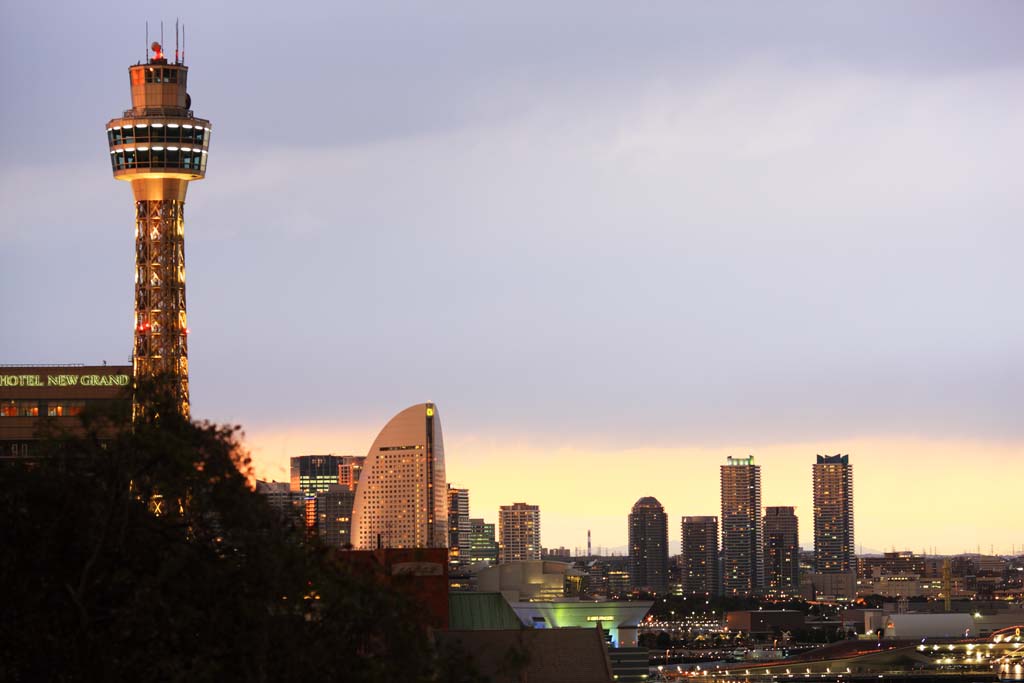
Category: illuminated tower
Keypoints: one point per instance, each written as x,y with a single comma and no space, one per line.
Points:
159,146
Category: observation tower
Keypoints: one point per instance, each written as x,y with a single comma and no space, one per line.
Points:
159,146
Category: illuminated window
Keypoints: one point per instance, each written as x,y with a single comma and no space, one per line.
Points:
9,409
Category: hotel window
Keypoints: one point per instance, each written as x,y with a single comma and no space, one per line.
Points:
9,409
27,408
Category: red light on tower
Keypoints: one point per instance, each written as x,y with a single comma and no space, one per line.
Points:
158,50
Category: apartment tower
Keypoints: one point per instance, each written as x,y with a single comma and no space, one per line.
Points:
742,530
781,551
699,556
518,532
648,546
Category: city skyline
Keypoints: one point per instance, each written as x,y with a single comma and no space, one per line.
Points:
634,262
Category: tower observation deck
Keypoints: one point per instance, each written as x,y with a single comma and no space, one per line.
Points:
159,146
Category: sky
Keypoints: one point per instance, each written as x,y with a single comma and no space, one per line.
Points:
615,243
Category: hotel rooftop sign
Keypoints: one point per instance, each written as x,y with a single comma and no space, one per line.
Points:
22,381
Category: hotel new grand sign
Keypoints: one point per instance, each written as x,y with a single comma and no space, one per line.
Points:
64,380
97,381
32,394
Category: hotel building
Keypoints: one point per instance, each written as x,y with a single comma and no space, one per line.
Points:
401,499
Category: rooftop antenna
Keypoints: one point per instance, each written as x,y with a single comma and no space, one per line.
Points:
147,42
176,41
182,43
162,33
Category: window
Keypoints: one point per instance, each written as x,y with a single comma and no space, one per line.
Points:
21,409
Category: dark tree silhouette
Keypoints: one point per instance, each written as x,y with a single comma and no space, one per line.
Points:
146,555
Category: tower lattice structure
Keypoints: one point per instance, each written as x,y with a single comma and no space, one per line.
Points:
159,146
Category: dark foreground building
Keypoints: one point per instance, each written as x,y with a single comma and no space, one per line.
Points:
574,655
37,398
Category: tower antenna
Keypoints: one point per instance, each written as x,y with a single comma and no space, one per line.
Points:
182,43
147,43
176,40
162,33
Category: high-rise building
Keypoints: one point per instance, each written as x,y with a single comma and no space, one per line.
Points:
699,556
781,551
742,531
518,532
483,546
833,515
315,473
289,504
159,146
333,510
648,545
401,499
458,527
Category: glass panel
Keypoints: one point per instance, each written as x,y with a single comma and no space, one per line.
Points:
149,75
8,409
187,134
141,133
128,134
171,157
142,158
156,132
129,159
173,132
156,157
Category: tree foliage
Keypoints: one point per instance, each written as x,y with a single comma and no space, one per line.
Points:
145,555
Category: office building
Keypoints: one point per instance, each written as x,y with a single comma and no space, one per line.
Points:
315,473
333,513
699,556
458,527
518,532
159,146
483,546
289,505
648,546
781,551
742,530
401,499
